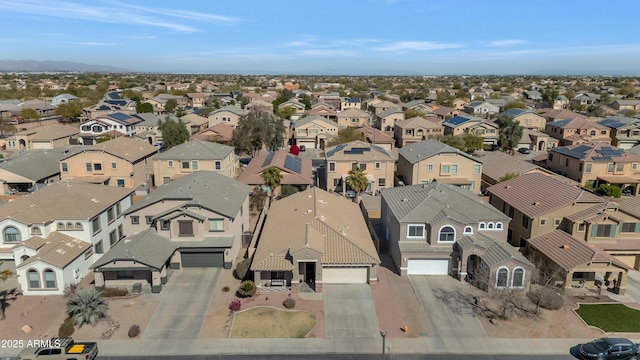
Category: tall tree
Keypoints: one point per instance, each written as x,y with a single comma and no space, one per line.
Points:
549,96
410,113
256,131
87,307
173,132
171,105
510,132
357,181
515,105
271,177
144,108
29,114
69,111
6,126
346,135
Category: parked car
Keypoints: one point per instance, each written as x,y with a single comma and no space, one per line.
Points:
524,150
244,161
610,348
303,148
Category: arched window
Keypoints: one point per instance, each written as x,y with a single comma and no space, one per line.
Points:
49,279
482,226
468,230
69,226
78,226
60,226
35,230
502,277
592,133
490,225
34,279
499,225
24,257
517,280
11,234
447,234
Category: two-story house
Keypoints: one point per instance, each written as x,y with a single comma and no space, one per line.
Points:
481,108
383,106
73,226
631,104
197,100
625,131
461,124
527,118
376,137
198,220
112,125
149,129
537,204
377,163
440,229
350,103
295,104
354,118
577,131
192,156
416,129
595,164
195,122
387,120
314,131
430,160
229,115
124,162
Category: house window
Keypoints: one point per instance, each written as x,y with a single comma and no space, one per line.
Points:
170,163
551,156
609,167
604,230
194,165
118,209
415,231
502,277
95,225
36,231
218,165
454,169
11,234
498,226
587,168
78,226
99,249
135,220
634,166
336,181
65,167
630,227
566,162
149,219
382,182
332,166
429,167
110,215
88,166
120,231
490,226
445,169
97,167
185,228
120,182
543,222
34,279
378,165
49,279
603,132
468,230
476,169
511,211
556,222
354,166
185,164
482,226
525,221
69,226
518,278
216,225
447,234
363,166
619,167
592,133
60,226
581,227
113,238
165,225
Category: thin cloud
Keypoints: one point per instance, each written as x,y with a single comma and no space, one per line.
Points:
507,42
327,53
417,46
184,14
93,43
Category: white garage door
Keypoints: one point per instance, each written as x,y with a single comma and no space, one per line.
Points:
428,267
307,144
40,145
345,275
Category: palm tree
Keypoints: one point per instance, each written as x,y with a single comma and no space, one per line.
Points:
87,307
271,177
357,181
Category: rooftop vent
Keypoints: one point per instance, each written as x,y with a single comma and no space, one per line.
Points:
565,247
536,203
507,187
405,200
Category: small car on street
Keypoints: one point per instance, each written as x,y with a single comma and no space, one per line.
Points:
610,348
524,150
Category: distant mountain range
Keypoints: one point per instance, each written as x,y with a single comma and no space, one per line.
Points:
55,66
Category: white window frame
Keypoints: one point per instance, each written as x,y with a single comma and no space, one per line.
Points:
454,234
409,226
468,230
498,226
482,226
497,275
170,163
513,277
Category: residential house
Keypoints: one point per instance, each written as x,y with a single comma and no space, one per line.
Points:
197,221
197,100
459,125
443,112
459,104
123,162
533,95
585,99
387,120
419,105
192,156
160,100
481,108
416,129
383,106
625,131
259,106
220,133
561,102
376,137
299,107
196,122
430,160
577,131
33,169
556,114
527,118
148,129
350,103
354,118
595,164
377,163
333,99
626,105
294,170
314,132
327,113
440,229
74,225
112,125
229,115
313,238
43,137
63,99
537,203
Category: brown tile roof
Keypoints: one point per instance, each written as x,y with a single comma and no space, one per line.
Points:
59,250
631,206
569,252
537,194
559,114
63,201
593,213
53,132
314,218
127,148
252,174
495,164
221,132
376,136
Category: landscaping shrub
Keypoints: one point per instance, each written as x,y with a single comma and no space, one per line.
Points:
66,329
610,190
289,303
70,290
235,305
242,268
113,292
134,331
247,288
225,289
546,297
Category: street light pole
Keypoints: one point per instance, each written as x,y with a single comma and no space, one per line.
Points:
383,334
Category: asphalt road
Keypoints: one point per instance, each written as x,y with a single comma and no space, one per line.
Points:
351,357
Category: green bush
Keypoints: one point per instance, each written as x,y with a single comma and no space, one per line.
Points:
113,292
289,303
242,268
66,329
247,288
610,190
287,190
134,331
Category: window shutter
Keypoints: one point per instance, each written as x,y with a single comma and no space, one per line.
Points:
594,230
612,231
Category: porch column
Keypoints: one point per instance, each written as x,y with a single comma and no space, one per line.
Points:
344,186
621,283
156,282
163,275
98,279
256,278
462,267
568,281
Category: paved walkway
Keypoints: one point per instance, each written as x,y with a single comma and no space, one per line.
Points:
633,289
349,312
184,304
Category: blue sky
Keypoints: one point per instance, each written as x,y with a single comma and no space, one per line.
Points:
352,37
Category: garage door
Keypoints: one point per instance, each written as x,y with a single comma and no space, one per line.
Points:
202,259
307,144
345,275
428,267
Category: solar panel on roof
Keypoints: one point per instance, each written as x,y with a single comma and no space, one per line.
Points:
293,163
267,161
120,116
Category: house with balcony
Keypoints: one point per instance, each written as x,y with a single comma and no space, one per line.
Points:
441,229
377,163
595,164
416,129
430,160
527,118
192,156
112,125
229,115
625,131
122,162
74,225
314,132
197,100
577,131
354,118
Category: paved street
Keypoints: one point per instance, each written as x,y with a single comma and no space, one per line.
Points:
184,304
349,357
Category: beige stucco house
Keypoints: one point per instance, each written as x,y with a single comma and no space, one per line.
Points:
460,125
354,118
44,137
229,115
625,131
577,131
387,120
527,118
416,129
314,131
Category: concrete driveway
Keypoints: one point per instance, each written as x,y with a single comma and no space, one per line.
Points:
184,304
444,322
349,311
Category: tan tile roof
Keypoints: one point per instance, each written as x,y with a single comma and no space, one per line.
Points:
594,213
63,201
252,174
559,114
53,132
418,121
59,250
569,252
127,148
224,132
631,206
537,194
495,164
376,136
343,152
314,218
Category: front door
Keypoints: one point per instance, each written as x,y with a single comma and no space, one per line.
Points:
310,273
